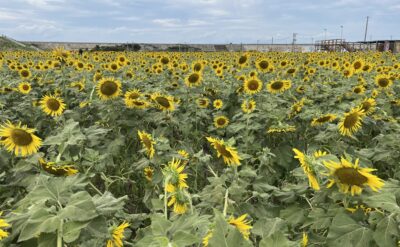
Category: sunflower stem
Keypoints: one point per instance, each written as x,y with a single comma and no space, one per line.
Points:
60,234
212,171
226,202
166,198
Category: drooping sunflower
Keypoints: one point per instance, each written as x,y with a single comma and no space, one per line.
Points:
148,173
207,238
252,85
304,240
323,119
248,106
368,106
163,102
218,104
176,178
117,235
350,178
221,122
24,87
3,224
193,80
351,121
383,81
52,105
62,170
242,224
203,102
108,88
279,86
19,138
281,129
148,143
359,89
307,168
228,153
179,201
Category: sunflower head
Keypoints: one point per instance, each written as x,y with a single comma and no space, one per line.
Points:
351,121
24,87
221,122
252,85
163,102
248,106
194,79
350,178
383,81
279,86
323,119
148,143
218,104
203,102
242,224
228,153
108,88
52,105
19,139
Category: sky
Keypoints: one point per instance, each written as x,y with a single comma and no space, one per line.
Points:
198,21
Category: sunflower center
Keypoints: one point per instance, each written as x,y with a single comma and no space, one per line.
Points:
263,64
350,176
193,78
146,142
351,120
138,103
366,106
221,121
164,60
163,101
24,73
277,85
223,151
253,85
109,88
53,104
133,96
357,90
197,67
383,82
357,65
291,71
25,87
242,59
323,119
21,137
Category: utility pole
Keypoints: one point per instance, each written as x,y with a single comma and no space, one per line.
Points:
272,40
366,29
325,33
294,41
341,31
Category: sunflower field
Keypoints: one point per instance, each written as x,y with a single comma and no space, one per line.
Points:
219,149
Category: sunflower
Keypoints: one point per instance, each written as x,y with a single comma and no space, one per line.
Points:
279,86
79,85
52,105
252,85
117,235
179,201
203,102
351,121
108,88
3,224
304,240
64,170
263,65
131,96
281,129
307,168
358,89
25,73
383,81
163,102
350,178
221,122
218,104
323,119
193,80
242,224
242,60
207,238
368,106
229,154
19,139
176,178
248,106
148,173
148,143
318,154
24,87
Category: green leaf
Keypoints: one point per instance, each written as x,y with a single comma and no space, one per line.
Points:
160,225
384,200
267,227
79,208
345,232
277,239
386,232
47,239
72,230
39,222
182,238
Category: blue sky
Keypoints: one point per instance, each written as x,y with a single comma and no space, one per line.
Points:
197,21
